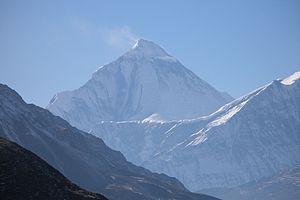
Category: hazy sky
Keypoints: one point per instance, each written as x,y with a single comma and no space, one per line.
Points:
237,46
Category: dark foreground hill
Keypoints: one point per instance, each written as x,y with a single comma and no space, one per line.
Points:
23,175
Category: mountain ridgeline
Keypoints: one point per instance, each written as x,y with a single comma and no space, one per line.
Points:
250,138
82,158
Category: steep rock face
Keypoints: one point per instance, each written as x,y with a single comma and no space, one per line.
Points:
23,175
254,136
81,157
144,83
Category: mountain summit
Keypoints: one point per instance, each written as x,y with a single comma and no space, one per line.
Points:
145,83
146,48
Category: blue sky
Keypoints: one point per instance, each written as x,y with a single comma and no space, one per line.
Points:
237,46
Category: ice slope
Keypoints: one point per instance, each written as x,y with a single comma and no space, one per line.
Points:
254,136
144,83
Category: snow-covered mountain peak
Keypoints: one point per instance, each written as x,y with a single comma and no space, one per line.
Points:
146,83
227,111
291,79
146,48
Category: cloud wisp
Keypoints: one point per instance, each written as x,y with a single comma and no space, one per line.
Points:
117,38
120,38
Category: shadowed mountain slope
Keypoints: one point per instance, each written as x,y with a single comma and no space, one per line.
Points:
81,157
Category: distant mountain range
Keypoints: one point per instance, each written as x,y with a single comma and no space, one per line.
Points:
146,83
160,115
81,157
163,117
252,137
23,175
